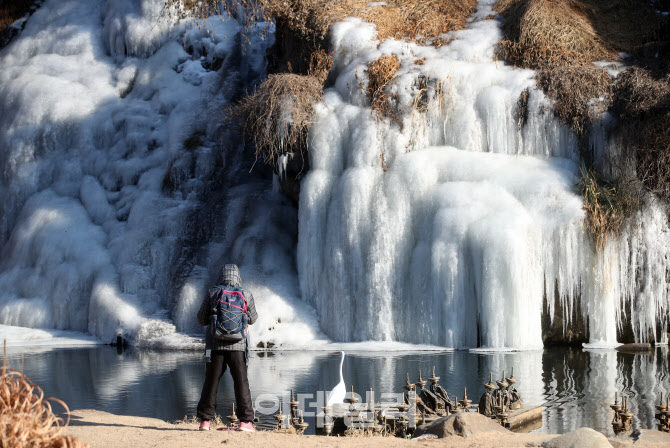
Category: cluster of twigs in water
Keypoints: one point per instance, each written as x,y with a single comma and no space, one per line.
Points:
26,417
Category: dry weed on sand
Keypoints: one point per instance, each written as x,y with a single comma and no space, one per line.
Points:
26,417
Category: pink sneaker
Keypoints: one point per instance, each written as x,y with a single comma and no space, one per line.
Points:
247,426
204,425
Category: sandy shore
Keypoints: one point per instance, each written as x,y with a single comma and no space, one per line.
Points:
101,429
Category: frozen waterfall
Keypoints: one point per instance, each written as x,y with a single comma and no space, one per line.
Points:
122,192
450,229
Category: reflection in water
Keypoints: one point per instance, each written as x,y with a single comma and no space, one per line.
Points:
575,387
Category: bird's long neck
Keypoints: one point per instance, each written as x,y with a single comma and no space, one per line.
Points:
341,364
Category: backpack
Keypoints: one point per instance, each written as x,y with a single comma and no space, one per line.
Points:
229,314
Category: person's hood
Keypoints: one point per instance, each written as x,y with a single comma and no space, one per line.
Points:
230,276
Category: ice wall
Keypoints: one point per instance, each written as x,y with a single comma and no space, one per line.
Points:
450,227
121,191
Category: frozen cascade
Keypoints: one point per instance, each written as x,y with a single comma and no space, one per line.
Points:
450,229
111,146
110,222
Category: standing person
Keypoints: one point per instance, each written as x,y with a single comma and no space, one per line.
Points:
226,353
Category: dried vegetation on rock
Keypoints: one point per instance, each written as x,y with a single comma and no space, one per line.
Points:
277,114
561,39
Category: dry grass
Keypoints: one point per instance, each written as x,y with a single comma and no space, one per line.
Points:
573,89
277,115
560,39
639,93
643,102
320,64
419,20
26,417
412,19
540,33
606,206
311,19
380,73
651,139
625,24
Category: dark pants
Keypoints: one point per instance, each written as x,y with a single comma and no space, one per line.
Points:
236,362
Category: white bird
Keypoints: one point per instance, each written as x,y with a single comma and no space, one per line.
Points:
340,391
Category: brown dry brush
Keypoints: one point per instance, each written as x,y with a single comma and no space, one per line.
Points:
581,92
606,205
643,102
561,39
625,24
413,19
380,73
558,39
26,417
419,20
540,33
311,19
276,117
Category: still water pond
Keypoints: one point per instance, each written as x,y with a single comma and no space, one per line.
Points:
574,386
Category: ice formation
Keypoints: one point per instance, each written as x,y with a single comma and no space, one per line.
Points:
122,192
450,229
111,141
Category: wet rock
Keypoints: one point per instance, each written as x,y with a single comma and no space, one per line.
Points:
464,425
637,348
559,328
582,437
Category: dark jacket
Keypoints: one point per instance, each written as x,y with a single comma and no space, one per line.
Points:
230,276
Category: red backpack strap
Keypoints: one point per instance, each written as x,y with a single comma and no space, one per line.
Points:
245,299
236,293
